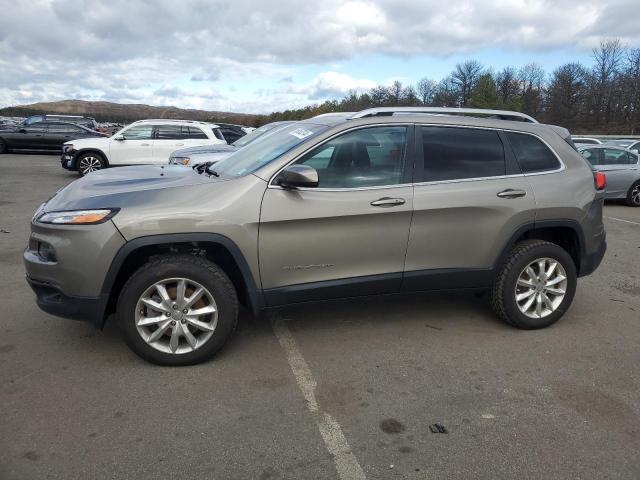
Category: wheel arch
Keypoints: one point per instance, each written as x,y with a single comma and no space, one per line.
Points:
566,233
217,248
82,151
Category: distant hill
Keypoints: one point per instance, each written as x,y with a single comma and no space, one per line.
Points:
123,112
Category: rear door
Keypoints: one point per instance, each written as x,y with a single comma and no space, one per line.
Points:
349,235
469,198
169,138
59,133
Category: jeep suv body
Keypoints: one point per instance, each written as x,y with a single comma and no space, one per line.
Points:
325,208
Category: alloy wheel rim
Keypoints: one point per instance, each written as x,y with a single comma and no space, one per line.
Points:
176,315
541,287
90,164
635,195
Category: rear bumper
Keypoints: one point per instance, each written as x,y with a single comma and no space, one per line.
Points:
591,262
51,300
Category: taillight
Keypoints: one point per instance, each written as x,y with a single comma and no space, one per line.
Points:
600,179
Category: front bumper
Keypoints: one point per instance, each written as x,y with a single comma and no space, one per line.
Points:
50,299
68,159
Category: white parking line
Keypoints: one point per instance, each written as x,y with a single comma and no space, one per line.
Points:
346,463
622,220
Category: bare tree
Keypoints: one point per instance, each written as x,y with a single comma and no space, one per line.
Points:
509,88
531,78
465,77
566,94
608,58
426,88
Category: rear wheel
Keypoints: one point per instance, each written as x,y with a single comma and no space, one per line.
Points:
178,310
89,162
633,195
535,286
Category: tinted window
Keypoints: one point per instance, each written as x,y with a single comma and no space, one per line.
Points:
139,132
592,155
63,128
196,133
635,146
32,120
531,153
171,132
362,158
217,133
456,153
615,157
37,127
230,134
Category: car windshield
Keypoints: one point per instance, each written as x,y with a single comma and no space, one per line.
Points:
266,149
257,133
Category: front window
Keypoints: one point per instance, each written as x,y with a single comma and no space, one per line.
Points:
259,153
257,133
138,132
366,157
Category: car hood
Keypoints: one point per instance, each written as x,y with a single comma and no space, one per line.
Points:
99,141
185,152
119,187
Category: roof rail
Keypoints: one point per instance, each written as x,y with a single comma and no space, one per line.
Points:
477,112
167,120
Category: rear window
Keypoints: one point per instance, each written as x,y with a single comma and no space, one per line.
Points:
531,153
195,132
452,153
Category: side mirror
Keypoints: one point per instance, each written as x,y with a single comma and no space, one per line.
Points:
119,138
23,130
298,176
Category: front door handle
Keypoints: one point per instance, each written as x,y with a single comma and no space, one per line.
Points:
511,193
179,144
145,144
387,202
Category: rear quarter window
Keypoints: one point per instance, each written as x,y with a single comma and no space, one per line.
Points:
531,153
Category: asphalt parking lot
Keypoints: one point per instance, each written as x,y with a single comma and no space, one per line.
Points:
335,390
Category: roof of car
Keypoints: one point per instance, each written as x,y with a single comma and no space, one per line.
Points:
172,121
437,118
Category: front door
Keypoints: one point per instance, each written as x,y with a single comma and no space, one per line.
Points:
619,167
348,236
134,148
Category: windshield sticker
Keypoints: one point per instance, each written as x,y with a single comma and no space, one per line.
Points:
300,133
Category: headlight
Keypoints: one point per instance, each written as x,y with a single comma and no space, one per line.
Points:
78,217
180,160
67,147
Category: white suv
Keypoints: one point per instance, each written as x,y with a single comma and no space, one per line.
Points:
140,143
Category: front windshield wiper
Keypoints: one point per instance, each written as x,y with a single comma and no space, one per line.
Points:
204,168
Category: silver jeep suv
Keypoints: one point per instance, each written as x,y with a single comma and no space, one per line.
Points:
381,201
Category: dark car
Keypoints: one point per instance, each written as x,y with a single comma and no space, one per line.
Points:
87,122
43,136
231,132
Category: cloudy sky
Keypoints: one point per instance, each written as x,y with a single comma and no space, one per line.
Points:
265,55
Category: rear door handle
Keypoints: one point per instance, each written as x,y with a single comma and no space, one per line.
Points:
511,193
179,144
387,202
145,144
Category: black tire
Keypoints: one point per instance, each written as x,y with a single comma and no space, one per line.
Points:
503,292
3,146
89,160
197,269
633,195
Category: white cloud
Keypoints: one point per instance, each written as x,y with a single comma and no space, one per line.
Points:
126,50
331,85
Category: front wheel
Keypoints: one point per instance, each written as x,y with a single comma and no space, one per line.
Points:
535,285
633,195
178,310
3,146
89,162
